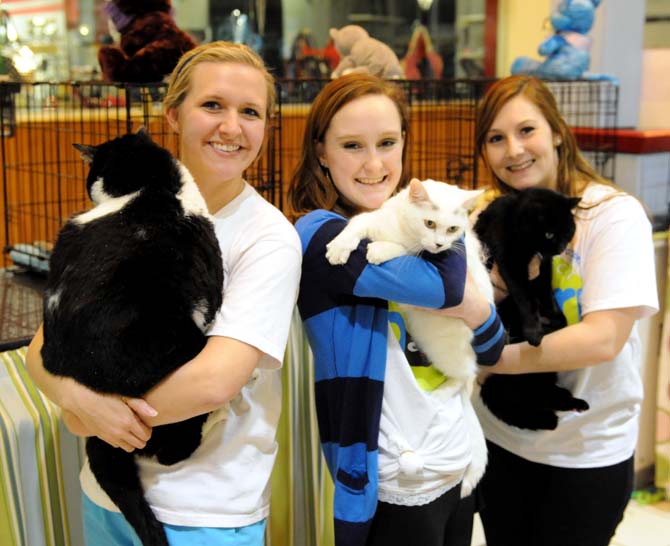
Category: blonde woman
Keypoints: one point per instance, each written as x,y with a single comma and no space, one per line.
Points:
219,102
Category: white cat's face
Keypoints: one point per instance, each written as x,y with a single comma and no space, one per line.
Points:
437,213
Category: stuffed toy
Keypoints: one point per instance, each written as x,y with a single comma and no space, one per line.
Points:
567,51
150,41
421,60
360,53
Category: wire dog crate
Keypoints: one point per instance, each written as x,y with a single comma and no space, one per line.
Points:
442,124
441,135
590,109
43,177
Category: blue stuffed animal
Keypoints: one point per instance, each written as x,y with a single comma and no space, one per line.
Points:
567,51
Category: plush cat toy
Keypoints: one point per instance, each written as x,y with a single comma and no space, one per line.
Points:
150,41
133,284
567,51
513,229
361,53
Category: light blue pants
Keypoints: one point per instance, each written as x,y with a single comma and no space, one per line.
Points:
105,528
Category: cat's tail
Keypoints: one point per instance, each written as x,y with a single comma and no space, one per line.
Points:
117,474
477,466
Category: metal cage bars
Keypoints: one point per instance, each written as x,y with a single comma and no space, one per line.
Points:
43,178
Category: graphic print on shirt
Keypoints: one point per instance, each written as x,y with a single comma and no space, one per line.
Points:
567,285
427,376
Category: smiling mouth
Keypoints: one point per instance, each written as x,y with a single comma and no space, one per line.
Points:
521,166
372,181
225,147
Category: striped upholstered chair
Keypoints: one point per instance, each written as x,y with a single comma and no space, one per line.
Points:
39,464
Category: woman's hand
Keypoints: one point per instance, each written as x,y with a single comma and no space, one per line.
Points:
74,424
87,412
109,417
499,285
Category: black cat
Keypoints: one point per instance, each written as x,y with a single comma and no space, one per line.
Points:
514,228
133,284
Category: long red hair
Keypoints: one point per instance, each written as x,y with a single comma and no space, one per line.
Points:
310,187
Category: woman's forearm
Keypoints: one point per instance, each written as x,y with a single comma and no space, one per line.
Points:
598,338
206,383
102,415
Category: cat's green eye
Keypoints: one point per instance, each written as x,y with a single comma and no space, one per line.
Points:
452,229
429,224
549,235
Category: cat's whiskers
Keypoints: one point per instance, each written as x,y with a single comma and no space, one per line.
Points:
405,261
459,247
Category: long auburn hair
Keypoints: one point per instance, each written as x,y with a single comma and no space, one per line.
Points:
574,171
311,187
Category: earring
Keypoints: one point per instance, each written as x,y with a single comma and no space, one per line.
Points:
558,141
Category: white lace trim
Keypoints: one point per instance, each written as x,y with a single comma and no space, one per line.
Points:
413,500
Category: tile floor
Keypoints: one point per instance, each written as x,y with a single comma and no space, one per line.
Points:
642,525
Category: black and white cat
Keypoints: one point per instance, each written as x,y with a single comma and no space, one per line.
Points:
514,228
133,284
430,216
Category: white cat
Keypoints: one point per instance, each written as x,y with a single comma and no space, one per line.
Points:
430,216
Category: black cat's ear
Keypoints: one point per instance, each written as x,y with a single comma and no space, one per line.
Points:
574,201
86,152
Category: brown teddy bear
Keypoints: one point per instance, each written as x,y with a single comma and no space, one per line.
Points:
361,53
150,41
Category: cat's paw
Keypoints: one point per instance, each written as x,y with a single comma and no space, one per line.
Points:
573,404
383,251
214,417
340,248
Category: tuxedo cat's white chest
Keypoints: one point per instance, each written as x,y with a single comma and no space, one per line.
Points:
106,203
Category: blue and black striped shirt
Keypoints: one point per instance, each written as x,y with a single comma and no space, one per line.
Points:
344,309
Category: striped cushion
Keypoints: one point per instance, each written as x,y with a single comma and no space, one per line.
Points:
301,505
39,464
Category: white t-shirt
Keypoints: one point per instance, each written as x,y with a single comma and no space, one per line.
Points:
608,265
225,482
415,420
